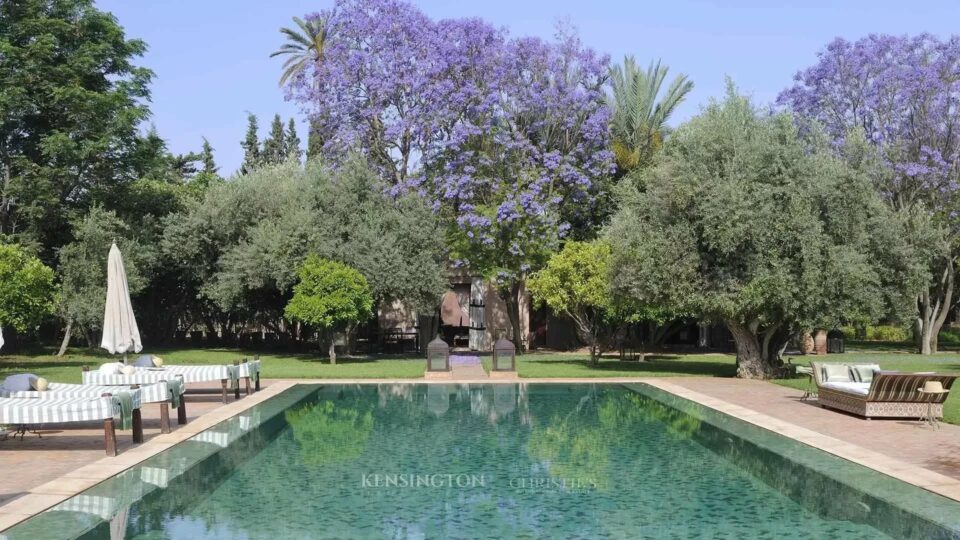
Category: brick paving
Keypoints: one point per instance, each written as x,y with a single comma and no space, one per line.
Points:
62,448
902,439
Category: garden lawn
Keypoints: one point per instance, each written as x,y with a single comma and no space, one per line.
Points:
274,365
575,365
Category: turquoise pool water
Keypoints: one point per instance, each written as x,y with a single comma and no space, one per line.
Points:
494,461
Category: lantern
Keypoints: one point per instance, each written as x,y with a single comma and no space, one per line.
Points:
504,355
835,342
438,355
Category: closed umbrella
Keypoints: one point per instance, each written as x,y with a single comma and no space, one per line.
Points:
1,338
120,332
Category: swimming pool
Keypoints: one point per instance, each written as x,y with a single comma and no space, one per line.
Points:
493,461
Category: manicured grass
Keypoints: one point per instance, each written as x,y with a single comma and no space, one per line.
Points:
275,365
656,365
893,357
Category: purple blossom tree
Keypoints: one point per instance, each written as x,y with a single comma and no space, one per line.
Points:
901,95
507,136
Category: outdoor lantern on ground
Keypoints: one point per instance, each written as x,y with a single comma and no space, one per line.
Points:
438,355
835,342
504,355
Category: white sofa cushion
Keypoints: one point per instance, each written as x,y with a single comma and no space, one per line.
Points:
863,372
858,388
836,373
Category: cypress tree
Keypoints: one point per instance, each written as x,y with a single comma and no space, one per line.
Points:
274,147
251,146
206,158
293,141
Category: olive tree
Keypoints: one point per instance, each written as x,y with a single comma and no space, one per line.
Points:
744,221
83,271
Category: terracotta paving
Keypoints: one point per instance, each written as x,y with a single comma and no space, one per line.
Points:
902,439
62,448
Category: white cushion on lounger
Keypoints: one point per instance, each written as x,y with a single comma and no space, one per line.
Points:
111,368
861,389
19,383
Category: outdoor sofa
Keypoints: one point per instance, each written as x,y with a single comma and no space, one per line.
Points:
865,390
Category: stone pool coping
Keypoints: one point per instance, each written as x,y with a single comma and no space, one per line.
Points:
56,491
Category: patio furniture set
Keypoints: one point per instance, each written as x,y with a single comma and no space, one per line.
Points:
27,401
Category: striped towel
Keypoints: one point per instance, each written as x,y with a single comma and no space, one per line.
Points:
124,401
175,388
250,369
149,393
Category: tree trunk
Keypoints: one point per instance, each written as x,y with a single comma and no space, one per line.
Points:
333,348
66,338
933,306
511,298
758,354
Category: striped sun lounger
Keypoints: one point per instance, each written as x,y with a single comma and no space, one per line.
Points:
34,411
228,375
158,392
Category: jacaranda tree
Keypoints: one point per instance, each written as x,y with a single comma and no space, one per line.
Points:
901,94
507,137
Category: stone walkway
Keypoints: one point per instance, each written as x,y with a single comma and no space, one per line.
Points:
902,439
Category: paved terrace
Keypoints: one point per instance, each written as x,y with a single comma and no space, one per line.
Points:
64,462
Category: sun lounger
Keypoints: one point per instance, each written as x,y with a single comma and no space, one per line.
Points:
887,394
225,373
160,392
33,411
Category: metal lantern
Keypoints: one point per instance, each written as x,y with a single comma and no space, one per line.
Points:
504,355
835,342
438,355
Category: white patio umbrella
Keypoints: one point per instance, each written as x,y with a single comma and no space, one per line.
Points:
1,338
120,332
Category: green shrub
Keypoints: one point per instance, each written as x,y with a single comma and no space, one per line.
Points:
879,333
949,337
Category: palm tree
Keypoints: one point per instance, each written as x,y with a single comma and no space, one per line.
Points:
305,44
638,123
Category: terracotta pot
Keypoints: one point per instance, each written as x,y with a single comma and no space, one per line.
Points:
820,342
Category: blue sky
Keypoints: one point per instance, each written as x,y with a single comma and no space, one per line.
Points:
212,65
